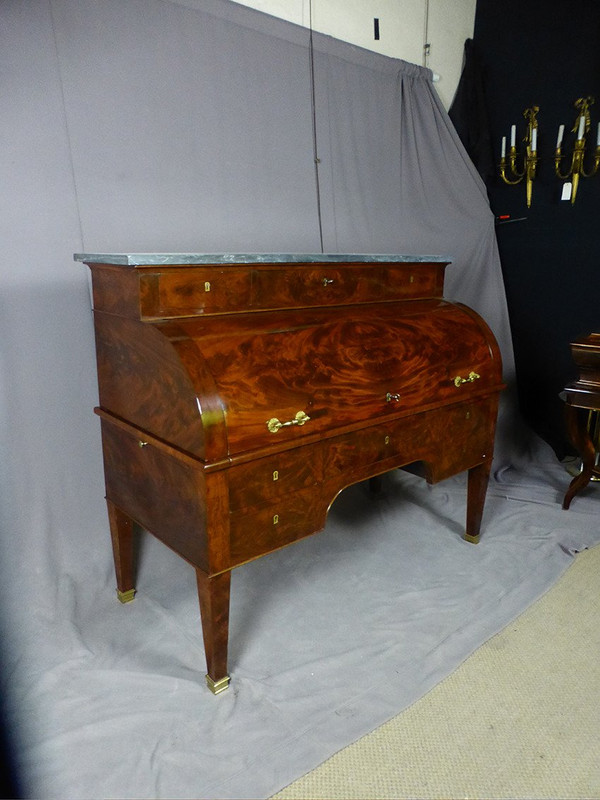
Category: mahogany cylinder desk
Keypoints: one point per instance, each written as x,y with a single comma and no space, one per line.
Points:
240,394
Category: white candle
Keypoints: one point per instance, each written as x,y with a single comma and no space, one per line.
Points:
503,153
598,137
534,140
513,135
561,131
581,126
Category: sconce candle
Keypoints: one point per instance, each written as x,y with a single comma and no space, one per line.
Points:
561,131
503,151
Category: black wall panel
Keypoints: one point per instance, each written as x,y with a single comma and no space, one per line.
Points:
544,53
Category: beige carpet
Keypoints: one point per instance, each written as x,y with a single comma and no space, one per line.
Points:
519,719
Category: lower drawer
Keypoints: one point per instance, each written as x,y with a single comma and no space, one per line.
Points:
255,532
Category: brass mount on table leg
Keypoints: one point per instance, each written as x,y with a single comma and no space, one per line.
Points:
219,686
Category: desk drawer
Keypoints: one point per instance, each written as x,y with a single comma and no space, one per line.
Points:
411,281
351,451
287,287
259,482
255,532
194,291
449,439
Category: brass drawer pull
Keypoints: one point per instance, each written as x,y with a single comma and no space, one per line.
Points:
274,424
389,397
473,376
327,281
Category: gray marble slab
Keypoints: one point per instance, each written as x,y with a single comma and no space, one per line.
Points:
150,259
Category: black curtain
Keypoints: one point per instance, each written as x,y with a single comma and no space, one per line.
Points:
469,113
544,53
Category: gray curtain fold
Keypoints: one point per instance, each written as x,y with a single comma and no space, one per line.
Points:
189,131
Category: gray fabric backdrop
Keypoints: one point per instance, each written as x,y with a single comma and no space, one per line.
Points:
145,125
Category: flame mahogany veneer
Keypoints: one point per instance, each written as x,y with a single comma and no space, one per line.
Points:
204,365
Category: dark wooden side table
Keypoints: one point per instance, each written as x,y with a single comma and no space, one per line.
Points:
582,410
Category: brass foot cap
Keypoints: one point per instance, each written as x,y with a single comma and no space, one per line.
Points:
473,539
126,597
219,686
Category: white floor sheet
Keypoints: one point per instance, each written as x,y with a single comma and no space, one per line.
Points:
329,638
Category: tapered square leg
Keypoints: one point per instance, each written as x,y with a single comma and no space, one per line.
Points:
213,594
477,486
122,535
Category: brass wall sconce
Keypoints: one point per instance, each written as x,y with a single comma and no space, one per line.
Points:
581,128
529,158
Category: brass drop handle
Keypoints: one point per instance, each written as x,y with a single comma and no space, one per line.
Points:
473,376
392,397
274,424
327,281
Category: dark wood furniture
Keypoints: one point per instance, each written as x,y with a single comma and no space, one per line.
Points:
240,394
582,411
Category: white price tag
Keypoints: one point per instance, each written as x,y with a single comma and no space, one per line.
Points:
566,191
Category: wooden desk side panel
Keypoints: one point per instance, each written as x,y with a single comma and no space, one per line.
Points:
162,494
116,290
143,379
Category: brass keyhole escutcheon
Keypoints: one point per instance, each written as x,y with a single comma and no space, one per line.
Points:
275,519
275,475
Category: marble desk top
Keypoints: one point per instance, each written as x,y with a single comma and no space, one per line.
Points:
150,259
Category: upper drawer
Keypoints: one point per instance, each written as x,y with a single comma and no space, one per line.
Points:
181,291
325,285
194,291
